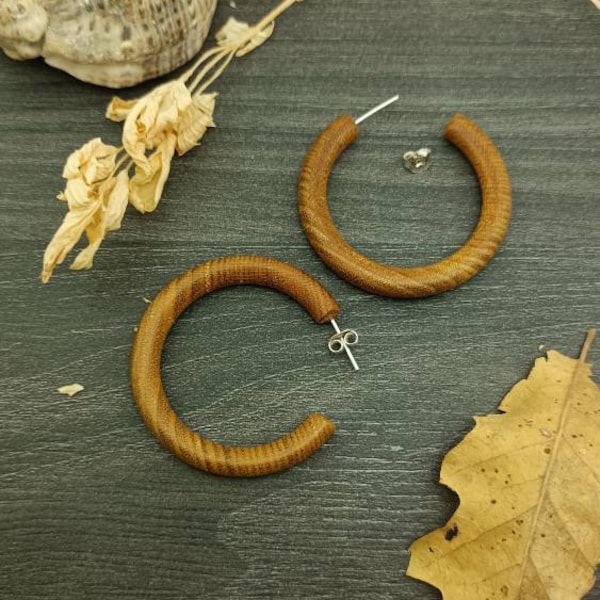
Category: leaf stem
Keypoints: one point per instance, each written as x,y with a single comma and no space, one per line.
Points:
589,340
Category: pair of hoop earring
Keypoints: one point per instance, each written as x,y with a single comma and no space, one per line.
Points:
345,261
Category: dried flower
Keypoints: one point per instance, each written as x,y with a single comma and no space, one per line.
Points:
171,118
96,201
152,119
93,162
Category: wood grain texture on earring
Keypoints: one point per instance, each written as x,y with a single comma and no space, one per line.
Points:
146,381
394,281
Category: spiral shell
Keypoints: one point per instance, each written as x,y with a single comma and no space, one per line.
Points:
114,43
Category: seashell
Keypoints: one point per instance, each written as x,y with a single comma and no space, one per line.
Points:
114,43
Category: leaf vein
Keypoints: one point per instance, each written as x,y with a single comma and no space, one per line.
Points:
568,398
496,456
583,462
563,522
539,578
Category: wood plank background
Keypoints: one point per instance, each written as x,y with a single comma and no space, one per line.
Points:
90,506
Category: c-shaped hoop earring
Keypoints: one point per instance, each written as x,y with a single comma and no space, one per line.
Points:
146,382
397,282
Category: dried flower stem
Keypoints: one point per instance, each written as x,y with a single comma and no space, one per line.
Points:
228,51
203,58
268,19
198,85
172,118
121,161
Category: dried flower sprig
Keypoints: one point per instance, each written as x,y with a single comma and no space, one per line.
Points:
103,179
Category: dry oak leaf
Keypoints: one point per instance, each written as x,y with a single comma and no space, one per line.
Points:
528,524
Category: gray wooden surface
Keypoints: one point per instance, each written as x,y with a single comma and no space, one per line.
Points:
90,506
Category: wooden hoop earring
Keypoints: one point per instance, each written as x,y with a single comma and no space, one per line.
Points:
392,281
146,381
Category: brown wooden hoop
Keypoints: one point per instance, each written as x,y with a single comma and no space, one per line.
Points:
146,381
392,281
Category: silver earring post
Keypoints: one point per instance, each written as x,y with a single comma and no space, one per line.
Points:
376,109
341,341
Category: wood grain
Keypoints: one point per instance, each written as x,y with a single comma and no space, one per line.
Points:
146,379
396,281
89,505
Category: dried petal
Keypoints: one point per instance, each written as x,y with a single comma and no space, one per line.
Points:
147,188
93,162
152,119
172,105
108,217
232,32
118,109
95,234
116,203
195,121
74,224
85,259
79,195
70,390
236,32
